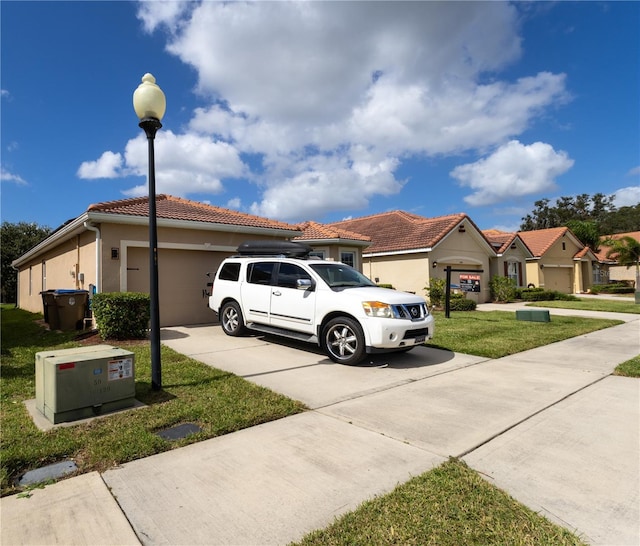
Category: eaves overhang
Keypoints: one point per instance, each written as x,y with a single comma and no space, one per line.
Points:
76,226
397,252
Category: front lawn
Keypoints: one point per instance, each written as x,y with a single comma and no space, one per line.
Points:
218,402
584,304
495,334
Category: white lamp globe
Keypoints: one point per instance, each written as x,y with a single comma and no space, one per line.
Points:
148,99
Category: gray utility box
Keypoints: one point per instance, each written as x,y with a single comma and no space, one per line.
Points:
74,384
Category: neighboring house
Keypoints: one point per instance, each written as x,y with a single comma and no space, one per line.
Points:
331,243
560,261
408,250
107,247
609,268
511,256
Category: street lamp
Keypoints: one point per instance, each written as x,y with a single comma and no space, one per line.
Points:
150,103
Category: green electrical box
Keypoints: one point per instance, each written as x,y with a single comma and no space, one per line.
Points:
533,315
74,384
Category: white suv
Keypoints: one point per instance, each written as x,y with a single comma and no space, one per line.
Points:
274,288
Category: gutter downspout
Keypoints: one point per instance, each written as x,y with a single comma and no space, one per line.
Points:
91,227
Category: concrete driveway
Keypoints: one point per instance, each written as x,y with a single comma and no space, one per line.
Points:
550,426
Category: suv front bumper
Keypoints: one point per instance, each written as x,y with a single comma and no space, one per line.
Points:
382,333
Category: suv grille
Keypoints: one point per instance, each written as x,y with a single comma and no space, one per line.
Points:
414,311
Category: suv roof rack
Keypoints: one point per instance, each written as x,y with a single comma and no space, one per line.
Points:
287,249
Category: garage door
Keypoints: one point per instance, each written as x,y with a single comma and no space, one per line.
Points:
182,278
558,279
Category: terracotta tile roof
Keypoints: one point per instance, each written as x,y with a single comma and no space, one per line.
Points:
541,240
602,250
314,231
500,240
398,230
176,208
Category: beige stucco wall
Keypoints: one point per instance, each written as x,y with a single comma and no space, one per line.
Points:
557,270
406,272
71,265
412,272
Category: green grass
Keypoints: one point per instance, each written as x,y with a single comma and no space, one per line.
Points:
218,402
611,306
494,334
448,506
630,368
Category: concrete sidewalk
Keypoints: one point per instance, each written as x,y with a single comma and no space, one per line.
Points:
550,426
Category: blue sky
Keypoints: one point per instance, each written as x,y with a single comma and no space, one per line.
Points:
322,110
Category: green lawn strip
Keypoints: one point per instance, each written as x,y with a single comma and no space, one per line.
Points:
216,401
610,306
447,506
630,368
494,334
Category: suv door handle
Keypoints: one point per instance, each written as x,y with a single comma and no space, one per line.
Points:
277,293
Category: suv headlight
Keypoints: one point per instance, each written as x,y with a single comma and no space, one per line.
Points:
377,309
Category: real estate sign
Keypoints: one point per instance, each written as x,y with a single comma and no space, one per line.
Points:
469,283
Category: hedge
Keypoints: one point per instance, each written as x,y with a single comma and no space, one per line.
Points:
122,315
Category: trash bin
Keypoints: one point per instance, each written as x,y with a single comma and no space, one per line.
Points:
50,310
72,307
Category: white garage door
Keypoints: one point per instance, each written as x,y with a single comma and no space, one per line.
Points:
182,278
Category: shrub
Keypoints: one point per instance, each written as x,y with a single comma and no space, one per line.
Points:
539,294
503,289
614,288
122,315
459,302
435,292
385,285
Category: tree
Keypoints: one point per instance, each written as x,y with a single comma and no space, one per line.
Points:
583,208
622,220
15,240
626,251
587,232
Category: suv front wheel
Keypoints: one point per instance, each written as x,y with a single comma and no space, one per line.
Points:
231,319
343,341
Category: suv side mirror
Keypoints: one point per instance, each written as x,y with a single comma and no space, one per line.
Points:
304,284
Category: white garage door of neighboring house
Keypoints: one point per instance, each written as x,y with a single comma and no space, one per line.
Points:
558,279
182,277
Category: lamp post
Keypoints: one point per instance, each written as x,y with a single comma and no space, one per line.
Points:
150,104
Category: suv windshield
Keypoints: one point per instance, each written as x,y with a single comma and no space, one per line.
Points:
340,275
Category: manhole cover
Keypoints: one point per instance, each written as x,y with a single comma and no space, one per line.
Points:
178,432
50,472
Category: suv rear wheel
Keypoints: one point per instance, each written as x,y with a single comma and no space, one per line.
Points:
231,319
343,341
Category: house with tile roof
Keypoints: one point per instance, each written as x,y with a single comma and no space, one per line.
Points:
560,261
608,268
408,250
106,249
332,243
511,256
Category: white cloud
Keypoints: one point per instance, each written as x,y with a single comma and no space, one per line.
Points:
627,197
6,176
634,172
513,170
331,97
109,165
185,164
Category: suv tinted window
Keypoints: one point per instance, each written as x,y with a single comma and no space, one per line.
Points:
260,272
288,274
230,271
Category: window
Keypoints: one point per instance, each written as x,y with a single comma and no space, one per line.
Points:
317,254
230,271
260,272
348,258
513,270
288,274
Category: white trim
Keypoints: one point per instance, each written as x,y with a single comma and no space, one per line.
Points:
397,252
